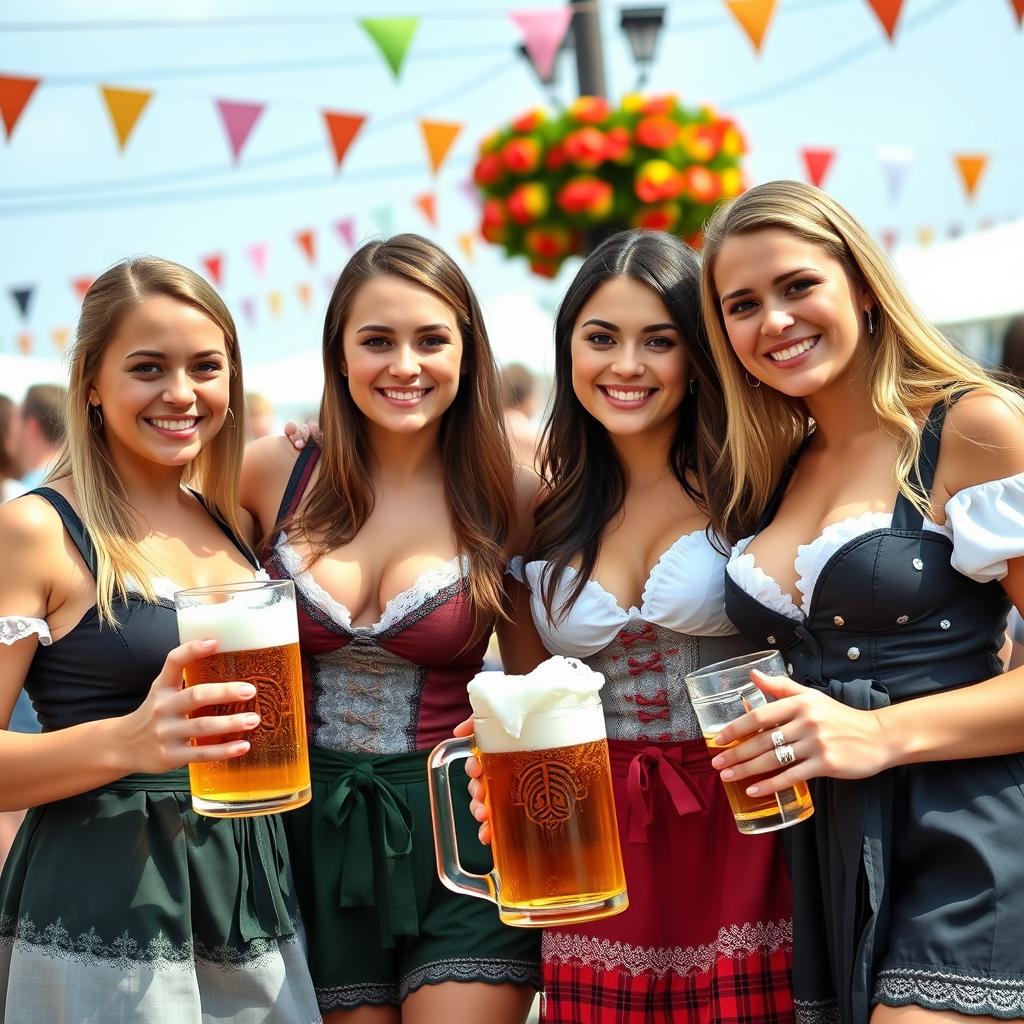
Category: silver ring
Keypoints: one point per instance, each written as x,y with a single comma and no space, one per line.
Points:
785,754
778,740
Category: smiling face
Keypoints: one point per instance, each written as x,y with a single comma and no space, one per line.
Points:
629,365
402,354
793,317
163,383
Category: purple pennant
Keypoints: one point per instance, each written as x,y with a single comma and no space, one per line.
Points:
23,299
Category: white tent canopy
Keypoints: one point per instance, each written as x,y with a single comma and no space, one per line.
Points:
19,373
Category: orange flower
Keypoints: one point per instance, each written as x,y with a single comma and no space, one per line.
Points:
530,121
586,195
521,155
590,109
528,202
617,147
657,218
656,181
702,184
660,104
657,132
586,147
488,170
701,141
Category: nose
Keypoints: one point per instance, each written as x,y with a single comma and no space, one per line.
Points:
627,361
179,390
775,322
405,363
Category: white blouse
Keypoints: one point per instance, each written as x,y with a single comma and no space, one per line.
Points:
985,524
684,592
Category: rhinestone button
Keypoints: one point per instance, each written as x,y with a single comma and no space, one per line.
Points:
789,667
902,620
853,653
918,564
945,624
839,620
771,639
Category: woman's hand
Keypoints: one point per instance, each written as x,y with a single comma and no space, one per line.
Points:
475,772
157,735
301,434
828,739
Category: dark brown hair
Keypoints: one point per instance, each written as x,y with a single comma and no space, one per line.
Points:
8,465
47,405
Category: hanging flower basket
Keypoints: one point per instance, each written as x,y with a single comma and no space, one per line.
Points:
552,185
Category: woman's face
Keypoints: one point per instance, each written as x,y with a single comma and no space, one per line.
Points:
630,368
163,384
402,354
793,317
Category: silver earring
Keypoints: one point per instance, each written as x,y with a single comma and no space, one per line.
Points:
95,416
752,382
693,385
870,316
231,413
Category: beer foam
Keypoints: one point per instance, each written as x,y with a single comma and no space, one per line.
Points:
555,705
237,628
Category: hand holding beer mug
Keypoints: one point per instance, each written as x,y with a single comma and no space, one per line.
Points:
720,694
257,636
540,740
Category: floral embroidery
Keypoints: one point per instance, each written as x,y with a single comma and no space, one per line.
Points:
940,990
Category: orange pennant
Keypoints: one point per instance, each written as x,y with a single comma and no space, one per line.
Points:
14,94
60,336
754,17
971,167
439,137
275,301
81,286
305,293
125,106
307,243
342,129
467,243
427,205
888,13
25,343
817,163
1018,9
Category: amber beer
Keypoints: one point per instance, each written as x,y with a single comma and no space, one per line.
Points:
257,633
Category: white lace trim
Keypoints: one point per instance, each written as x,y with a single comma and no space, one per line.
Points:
758,584
16,627
736,940
821,1011
939,990
426,586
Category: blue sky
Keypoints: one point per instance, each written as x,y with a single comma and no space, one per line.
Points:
70,204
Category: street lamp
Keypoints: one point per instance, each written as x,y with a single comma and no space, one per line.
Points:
642,26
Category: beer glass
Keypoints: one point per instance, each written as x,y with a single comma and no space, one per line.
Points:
555,839
723,692
257,636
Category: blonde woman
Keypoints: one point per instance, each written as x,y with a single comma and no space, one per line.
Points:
118,903
887,471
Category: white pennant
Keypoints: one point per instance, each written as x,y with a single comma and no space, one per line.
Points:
895,161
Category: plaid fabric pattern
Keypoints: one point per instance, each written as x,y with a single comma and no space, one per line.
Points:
750,989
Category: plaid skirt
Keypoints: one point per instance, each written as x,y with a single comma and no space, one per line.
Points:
707,937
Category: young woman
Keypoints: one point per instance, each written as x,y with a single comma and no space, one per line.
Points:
625,570
118,903
394,529
888,473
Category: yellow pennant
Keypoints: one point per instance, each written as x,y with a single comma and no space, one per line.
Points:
925,236
467,243
754,17
60,336
275,300
125,106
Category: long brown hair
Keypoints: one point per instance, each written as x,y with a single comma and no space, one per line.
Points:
475,453
8,465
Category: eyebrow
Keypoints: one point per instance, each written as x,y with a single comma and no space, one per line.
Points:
612,327
775,281
384,329
153,354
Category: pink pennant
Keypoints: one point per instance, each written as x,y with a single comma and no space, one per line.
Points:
346,228
543,32
258,257
890,236
214,267
249,310
239,120
817,163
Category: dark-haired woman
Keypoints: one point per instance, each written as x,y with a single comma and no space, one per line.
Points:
394,529
625,570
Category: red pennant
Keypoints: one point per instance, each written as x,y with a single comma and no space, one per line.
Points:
890,236
14,94
214,267
888,13
307,243
81,286
817,163
1018,9
427,205
342,129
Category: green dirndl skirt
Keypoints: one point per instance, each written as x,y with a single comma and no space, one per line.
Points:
123,904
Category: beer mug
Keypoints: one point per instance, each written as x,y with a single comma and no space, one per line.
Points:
257,636
723,692
541,742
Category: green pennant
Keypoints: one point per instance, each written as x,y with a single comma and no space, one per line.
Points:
392,36
384,216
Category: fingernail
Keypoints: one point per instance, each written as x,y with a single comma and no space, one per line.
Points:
728,774
717,762
752,790
251,721
247,690
207,644
243,746
478,813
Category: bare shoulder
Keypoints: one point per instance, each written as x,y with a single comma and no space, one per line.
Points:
31,541
266,467
983,440
529,489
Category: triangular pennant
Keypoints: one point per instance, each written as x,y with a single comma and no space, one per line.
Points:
925,236
249,310
239,120
385,219
895,161
346,228
817,163
1018,10
427,205
439,137
257,253
81,286
307,243
890,236
125,107
971,167
392,36
468,188
22,298
60,337
954,230
275,301
888,13
15,92
543,33
25,343
342,128
305,292
214,267
467,243
754,17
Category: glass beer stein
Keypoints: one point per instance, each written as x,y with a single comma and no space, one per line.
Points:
541,742
257,636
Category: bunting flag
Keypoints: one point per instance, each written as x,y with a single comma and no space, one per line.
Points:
543,33
925,236
384,216
22,298
125,107
754,17
81,286
14,94
427,205
239,120
890,236
275,301
249,310
888,13
468,188
954,230
817,163
342,129
392,36
971,167
346,228
439,137
60,337
467,243
25,343
895,161
305,292
1018,10
307,243
258,257
214,267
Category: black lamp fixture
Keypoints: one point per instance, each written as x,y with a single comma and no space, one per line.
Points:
642,26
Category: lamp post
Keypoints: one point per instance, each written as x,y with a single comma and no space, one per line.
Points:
642,26
586,28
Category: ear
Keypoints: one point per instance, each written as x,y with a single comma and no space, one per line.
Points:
94,398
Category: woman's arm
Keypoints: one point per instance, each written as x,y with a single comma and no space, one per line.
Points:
265,469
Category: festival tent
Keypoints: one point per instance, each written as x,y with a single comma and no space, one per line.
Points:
19,373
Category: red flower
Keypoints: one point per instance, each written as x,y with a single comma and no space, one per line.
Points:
528,202
530,121
657,132
521,155
492,226
590,109
586,147
549,243
656,181
657,218
660,104
703,185
586,195
556,157
617,147
488,170
545,268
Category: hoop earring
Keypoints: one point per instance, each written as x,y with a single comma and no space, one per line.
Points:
869,315
752,382
96,421
693,386
231,413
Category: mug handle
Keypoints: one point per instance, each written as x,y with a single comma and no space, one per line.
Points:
446,842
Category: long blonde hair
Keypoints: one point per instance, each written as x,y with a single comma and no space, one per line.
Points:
102,502
910,365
